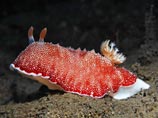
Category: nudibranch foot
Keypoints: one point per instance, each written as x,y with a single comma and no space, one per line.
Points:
108,50
37,77
77,71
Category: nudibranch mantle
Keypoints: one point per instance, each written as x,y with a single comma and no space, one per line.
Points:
77,71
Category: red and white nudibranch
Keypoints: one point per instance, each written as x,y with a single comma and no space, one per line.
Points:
78,71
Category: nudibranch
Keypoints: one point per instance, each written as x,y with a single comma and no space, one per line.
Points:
78,71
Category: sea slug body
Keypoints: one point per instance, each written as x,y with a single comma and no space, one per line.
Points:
78,71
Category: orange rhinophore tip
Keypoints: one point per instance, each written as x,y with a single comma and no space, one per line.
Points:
30,35
43,34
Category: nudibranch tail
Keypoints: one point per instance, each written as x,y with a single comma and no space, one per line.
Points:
30,35
126,92
43,34
108,49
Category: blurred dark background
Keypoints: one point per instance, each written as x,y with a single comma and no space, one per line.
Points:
75,23
79,23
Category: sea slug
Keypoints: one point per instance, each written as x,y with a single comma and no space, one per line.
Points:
82,72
